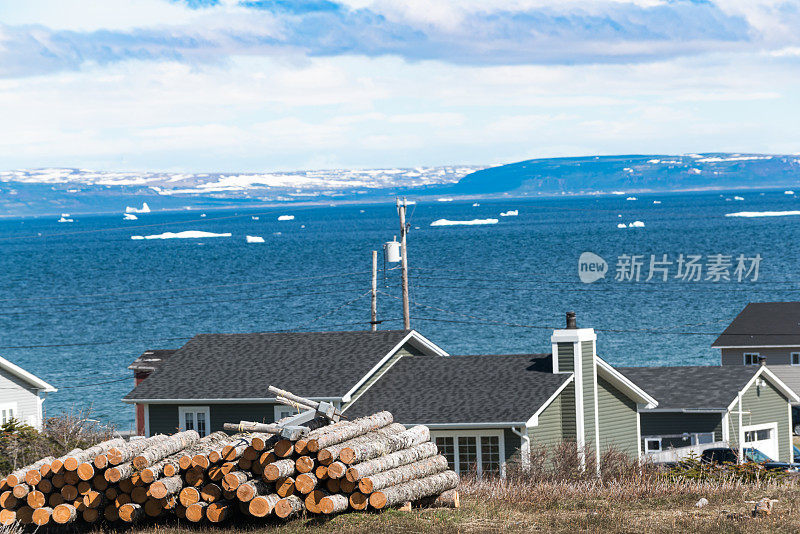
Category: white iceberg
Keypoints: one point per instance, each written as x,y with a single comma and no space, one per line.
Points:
64,219
444,199
656,202
475,205
202,215
738,198
187,234
144,209
618,192
66,215
636,224
762,213
286,217
254,218
254,239
473,222
130,217
631,198
622,225
510,213
788,192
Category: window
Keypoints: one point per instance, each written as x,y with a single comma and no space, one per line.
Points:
702,438
757,435
795,358
751,358
8,411
195,418
282,411
472,451
652,445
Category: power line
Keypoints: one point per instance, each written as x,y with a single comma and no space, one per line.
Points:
92,343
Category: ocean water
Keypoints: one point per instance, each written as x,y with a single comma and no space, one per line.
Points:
81,300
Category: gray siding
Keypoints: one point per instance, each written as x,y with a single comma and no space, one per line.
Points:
405,350
16,390
774,356
556,422
666,423
618,428
164,417
566,357
589,369
764,405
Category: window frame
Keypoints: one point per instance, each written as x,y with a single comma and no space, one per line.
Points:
205,410
649,450
696,438
13,408
754,361
477,434
279,409
791,358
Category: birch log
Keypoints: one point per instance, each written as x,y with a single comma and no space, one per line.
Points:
252,489
7,517
211,492
357,427
403,473
448,499
281,468
41,516
216,512
263,505
390,461
64,514
189,496
131,512
57,465
331,453
363,451
196,512
165,487
127,451
234,479
201,449
414,490
305,483
19,475
333,504
165,448
289,507
284,486
119,472
337,470
72,462
312,500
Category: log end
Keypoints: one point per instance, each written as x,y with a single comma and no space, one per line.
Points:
157,490
153,508
33,477
111,514
347,455
189,496
130,512
337,470
85,471
64,513
284,508
195,512
358,501
90,515
377,500
218,511
140,462
113,475
71,464
7,517
41,516
101,461
365,485
260,507
284,486
36,499
352,474
305,483
114,456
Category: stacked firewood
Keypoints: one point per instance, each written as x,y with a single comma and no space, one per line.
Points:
370,462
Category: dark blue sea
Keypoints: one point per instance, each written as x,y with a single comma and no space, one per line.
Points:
81,300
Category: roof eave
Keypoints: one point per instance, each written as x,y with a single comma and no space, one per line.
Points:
30,378
626,385
247,400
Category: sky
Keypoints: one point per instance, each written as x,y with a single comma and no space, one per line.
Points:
228,85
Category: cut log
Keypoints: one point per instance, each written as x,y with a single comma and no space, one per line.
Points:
25,515
195,476
228,495
18,476
129,450
304,464
321,472
21,491
301,445
154,507
362,451
284,486
45,486
201,450
84,488
72,462
333,504
90,515
122,499
267,458
359,501
165,447
332,453
119,472
94,499
7,500
312,501
57,465
262,442
196,512
263,505
250,453
110,513
41,516
69,492
234,479
448,499
34,476
244,464
403,473
86,471
71,477
333,485
247,491
64,514
131,512
284,448
111,493
126,485
288,507
36,499
414,490
54,500
337,469
216,512
8,517
168,467
139,495
99,482
101,461
211,492
281,468
46,470
189,496
166,487
349,430
180,511
58,480
305,483
390,461
345,486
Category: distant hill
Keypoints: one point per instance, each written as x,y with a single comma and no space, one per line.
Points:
605,174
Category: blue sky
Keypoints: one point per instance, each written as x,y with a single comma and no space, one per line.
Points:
267,85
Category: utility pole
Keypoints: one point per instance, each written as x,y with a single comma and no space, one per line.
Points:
401,210
374,290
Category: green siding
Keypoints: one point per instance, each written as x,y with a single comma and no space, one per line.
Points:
764,404
164,417
566,357
588,370
617,420
405,350
665,423
556,422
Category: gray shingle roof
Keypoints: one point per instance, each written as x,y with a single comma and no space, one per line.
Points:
241,366
691,388
151,360
462,389
763,323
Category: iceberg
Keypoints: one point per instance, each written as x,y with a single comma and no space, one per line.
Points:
66,215
144,209
510,213
622,225
475,205
65,219
636,224
130,217
738,198
202,215
656,202
254,218
762,213
444,199
788,192
188,234
254,239
286,217
473,222
631,198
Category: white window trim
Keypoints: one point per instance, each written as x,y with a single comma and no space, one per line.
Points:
696,437
648,449
6,406
455,434
183,410
791,358
746,354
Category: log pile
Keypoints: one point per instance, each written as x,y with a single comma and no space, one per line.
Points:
368,463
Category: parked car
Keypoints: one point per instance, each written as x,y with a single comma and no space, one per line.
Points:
727,455
796,454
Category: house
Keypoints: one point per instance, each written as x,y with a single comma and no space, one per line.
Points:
219,378
742,406
482,409
20,395
143,367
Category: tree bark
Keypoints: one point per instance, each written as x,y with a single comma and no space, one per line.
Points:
64,514
127,451
390,461
72,462
403,473
234,479
305,483
281,468
448,499
289,507
131,512
363,451
333,452
414,490
19,475
165,487
164,448
347,431
263,505
119,472
333,504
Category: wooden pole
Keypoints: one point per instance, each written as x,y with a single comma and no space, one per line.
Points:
374,308
401,210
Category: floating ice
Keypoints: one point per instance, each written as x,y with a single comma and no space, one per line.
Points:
65,215
254,218
473,222
738,198
636,224
254,239
631,198
64,219
762,213
187,234
788,192
286,217
202,215
444,199
618,192
144,209
510,213
656,202
130,217
361,211
475,205
622,225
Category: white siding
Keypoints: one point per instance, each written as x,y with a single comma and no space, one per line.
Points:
13,389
